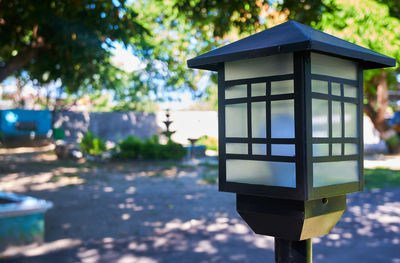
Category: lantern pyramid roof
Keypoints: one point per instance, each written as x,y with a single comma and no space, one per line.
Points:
288,37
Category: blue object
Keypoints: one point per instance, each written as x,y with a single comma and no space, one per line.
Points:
21,219
395,120
19,122
290,37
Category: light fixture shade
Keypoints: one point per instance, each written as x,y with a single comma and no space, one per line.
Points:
292,126
290,113
259,121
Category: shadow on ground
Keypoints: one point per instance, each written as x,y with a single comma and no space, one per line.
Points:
165,212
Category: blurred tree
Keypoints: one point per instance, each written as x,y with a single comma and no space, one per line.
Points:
66,40
374,24
72,41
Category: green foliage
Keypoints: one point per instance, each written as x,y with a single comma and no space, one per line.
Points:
219,18
65,40
367,23
130,148
211,143
364,22
381,178
305,12
92,145
149,149
135,103
173,151
75,39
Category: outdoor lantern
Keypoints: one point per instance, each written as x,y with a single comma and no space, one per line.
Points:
290,108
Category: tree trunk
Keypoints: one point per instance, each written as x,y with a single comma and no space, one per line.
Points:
18,62
377,116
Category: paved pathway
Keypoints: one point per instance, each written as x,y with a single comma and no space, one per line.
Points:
164,213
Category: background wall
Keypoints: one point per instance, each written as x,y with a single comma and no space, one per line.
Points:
111,126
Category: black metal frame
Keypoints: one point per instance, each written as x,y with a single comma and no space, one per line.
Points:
339,189
303,140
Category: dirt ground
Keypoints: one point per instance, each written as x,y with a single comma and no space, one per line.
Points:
171,212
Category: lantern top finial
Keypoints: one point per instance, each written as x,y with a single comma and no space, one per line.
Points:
288,37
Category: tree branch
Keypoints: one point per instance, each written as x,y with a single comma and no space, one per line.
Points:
18,62
378,116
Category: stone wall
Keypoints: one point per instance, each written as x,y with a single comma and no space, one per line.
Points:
111,126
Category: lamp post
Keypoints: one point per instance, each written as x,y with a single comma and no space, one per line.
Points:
290,107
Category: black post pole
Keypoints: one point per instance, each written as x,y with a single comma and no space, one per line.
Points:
289,251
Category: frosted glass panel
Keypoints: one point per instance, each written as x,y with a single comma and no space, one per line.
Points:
238,91
350,120
259,149
319,86
331,66
336,119
283,149
320,126
320,149
261,172
282,87
259,67
237,148
336,149
258,89
282,119
336,89
236,120
350,91
331,173
350,148
258,120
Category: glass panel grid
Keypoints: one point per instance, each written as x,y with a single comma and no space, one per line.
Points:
261,172
350,120
259,149
336,91
320,111
349,91
335,157
333,115
332,66
282,87
283,149
258,119
236,91
236,120
336,119
336,149
253,112
258,89
331,173
319,86
237,148
279,64
282,119
320,149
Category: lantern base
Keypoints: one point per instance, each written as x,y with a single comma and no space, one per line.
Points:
290,219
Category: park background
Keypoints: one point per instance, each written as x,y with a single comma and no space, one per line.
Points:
109,72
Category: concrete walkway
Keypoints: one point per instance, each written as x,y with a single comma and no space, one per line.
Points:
382,161
158,212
